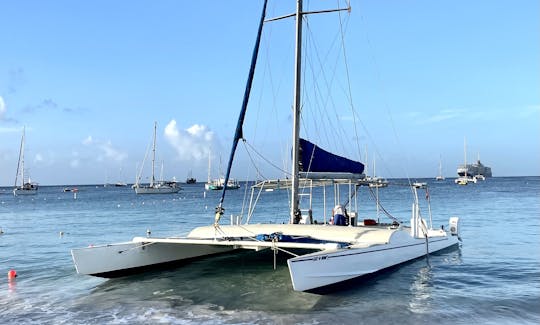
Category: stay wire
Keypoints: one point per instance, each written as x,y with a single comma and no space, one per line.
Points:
248,145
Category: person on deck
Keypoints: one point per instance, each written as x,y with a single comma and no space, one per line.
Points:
339,216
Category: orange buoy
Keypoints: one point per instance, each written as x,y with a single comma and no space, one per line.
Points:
12,274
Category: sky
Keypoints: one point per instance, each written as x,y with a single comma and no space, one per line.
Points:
87,81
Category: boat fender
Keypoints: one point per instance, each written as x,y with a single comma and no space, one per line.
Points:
370,222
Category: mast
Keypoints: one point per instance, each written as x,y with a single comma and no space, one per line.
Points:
465,157
153,156
209,155
161,172
21,161
238,134
296,111
22,158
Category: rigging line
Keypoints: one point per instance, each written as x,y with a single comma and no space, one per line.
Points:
265,159
262,241
307,98
353,111
19,162
218,229
318,93
246,187
143,244
381,207
139,176
259,174
385,103
286,251
329,98
328,101
275,88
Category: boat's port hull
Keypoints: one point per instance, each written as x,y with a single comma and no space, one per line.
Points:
133,257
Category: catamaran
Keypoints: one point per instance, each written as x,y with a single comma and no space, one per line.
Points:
155,187
321,253
26,187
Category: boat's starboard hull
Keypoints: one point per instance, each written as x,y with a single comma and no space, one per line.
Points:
326,268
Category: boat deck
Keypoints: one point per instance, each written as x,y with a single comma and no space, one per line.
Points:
327,233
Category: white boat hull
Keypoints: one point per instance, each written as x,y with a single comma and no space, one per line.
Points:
19,191
156,190
382,248
121,259
325,268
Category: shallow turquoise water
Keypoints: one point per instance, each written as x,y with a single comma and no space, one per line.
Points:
493,278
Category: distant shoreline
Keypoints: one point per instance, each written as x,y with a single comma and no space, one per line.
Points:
251,181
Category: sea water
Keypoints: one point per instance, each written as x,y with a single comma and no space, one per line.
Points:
492,278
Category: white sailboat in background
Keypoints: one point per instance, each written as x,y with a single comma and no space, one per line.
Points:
376,181
319,254
440,176
217,184
26,187
155,187
463,171
211,185
120,182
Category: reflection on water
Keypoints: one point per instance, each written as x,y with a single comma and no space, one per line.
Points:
12,286
239,281
421,289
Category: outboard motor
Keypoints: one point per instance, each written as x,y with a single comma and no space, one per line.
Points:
454,226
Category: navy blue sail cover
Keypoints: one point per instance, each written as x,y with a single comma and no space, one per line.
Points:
315,159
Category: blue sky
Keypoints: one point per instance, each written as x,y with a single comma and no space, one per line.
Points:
88,79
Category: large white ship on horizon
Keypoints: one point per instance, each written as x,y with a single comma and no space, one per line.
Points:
474,170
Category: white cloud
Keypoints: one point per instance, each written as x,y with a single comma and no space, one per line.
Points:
111,152
194,143
445,115
38,158
525,112
108,151
2,108
87,141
